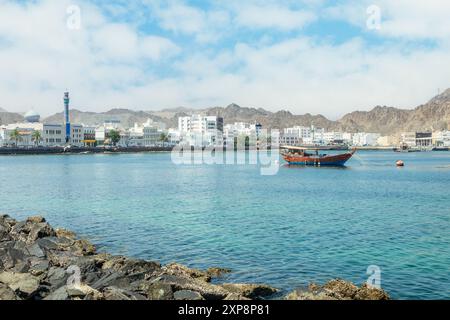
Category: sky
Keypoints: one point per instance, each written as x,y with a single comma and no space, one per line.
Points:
305,56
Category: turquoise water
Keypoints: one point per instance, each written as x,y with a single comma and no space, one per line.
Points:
299,226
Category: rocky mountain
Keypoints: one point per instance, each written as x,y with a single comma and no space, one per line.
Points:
434,115
9,117
127,117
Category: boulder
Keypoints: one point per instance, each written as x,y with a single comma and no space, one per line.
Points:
368,293
235,297
338,290
159,291
40,230
84,247
187,295
207,290
114,293
183,271
131,266
217,272
56,277
58,294
252,291
24,284
35,250
112,279
36,219
38,267
6,293
82,290
63,233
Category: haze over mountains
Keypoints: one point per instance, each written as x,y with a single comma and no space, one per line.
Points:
434,115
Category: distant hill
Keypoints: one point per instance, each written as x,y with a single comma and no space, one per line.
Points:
9,117
127,117
434,115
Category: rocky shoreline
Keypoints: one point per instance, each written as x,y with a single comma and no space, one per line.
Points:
38,262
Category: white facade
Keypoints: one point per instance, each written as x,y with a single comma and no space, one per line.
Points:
52,135
201,131
174,136
240,130
409,139
152,136
363,139
331,137
317,137
441,138
102,132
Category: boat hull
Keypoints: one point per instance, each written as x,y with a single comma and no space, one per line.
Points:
336,160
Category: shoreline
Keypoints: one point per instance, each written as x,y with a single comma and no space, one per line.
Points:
80,150
137,150
38,262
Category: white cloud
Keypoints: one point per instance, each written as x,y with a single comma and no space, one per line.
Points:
273,17
197,58
41,57
408,19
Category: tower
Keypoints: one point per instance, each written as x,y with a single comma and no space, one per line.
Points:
66,116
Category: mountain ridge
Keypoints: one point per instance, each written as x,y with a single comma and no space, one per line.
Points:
433,115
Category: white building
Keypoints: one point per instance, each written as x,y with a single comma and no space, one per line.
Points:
317,137
363,139
417,139
240,130
174,136
333,137
51,135
102,132
348,138
152,136
441,138
201,131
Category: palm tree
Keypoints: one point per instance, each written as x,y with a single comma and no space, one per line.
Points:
36,137
15,135
164,137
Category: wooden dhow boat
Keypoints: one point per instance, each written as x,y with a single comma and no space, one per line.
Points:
313,157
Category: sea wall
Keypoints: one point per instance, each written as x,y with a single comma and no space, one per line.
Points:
77,150
38,262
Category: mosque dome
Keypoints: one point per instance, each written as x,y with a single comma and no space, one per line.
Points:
32,116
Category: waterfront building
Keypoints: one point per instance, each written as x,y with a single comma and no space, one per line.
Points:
408,139
240,130
134,136
364,139
51,135
333,137
102,132
417,139
388,141
89,136
290,139
424,139
316,138
441,138
152,136
201,131
174,136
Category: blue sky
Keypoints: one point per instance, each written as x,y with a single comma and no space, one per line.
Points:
315,56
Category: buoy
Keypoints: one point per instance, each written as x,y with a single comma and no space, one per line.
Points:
400,163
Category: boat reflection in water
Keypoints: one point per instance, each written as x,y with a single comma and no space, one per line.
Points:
301,156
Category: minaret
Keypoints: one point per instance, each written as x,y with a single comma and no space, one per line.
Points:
66,116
